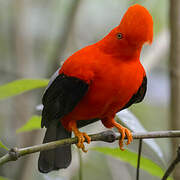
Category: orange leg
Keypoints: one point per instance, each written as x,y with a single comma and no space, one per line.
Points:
124,132
81,137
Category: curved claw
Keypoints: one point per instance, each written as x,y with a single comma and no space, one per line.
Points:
129,136
124,132
80,135
81,138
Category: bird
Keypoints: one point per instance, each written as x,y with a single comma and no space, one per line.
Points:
94,84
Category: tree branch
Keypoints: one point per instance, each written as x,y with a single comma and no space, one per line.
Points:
106,136
172,165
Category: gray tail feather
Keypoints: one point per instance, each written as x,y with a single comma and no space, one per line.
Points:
58,158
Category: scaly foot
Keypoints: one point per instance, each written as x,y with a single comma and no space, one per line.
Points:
80,135
81,138
124,132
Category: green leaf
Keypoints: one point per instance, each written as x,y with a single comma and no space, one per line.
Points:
20,86
33,124
3,178
153,151
131,158
3,146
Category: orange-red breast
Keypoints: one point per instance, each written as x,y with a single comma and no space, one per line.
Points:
95,83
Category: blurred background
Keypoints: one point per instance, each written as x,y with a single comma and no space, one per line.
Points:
36,36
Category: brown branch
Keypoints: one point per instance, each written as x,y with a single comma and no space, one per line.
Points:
106,136
172,165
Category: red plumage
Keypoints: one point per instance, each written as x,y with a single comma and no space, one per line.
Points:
112,76
111,67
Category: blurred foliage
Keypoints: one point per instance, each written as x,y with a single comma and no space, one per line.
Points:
150,147
3,146
21,86
131,158
96,167
33,124
3,178
155,118
152,116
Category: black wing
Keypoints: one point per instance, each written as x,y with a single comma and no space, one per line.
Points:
139,95
61,97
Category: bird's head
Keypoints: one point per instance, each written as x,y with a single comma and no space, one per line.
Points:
135,29
136,25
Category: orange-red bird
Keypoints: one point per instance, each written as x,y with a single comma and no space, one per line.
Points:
95,83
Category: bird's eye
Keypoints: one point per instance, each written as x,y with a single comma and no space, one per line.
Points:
119,35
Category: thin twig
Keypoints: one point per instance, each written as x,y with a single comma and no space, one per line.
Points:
106,136
80,165
172,165
139,159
